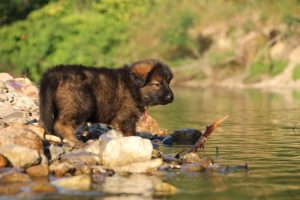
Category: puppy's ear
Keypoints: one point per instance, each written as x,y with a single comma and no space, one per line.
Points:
140,71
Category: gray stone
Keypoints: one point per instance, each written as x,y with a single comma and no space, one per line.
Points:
81,157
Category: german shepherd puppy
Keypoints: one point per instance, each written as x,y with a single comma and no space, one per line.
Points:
73,94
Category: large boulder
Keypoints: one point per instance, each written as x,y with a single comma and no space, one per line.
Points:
20,156
21,145
115,150
21,135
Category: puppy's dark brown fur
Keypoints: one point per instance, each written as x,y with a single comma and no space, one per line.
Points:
73,94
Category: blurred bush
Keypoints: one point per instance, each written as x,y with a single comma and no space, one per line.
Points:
12,10
37,34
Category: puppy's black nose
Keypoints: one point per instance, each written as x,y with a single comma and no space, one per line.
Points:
170,98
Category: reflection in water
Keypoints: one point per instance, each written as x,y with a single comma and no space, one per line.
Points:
263,130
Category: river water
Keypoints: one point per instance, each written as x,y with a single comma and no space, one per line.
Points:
263,130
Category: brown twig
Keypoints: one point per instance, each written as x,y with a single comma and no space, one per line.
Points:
209,129
201,141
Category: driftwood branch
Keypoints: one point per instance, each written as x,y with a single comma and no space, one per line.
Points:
201,141
209,129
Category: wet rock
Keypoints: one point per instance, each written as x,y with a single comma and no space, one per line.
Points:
60,169
170,158
12,177
81,157
3,161
98,169
43,188
162,188
156,154
155,143
141,167
186,136
197,166
20,156
77,183
38,171
147,124
81,168
117,151
168,140
20,135
190,158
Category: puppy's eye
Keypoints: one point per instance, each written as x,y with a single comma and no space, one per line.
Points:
156,84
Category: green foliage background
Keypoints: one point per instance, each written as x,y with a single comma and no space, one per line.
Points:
37,34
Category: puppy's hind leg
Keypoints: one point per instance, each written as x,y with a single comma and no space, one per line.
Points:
66,129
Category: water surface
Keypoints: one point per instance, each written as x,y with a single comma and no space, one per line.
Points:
263,130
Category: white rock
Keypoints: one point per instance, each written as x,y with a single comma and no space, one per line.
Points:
80,183
123,150
20,156
141,167
5,76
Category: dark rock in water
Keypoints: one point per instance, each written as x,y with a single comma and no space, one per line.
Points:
186,136
90,131
168,140
145,135
155,143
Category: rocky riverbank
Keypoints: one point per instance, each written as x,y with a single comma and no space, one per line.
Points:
32,162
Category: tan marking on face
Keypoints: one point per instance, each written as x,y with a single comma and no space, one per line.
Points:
156,78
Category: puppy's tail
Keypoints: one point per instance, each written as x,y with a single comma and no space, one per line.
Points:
48,86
